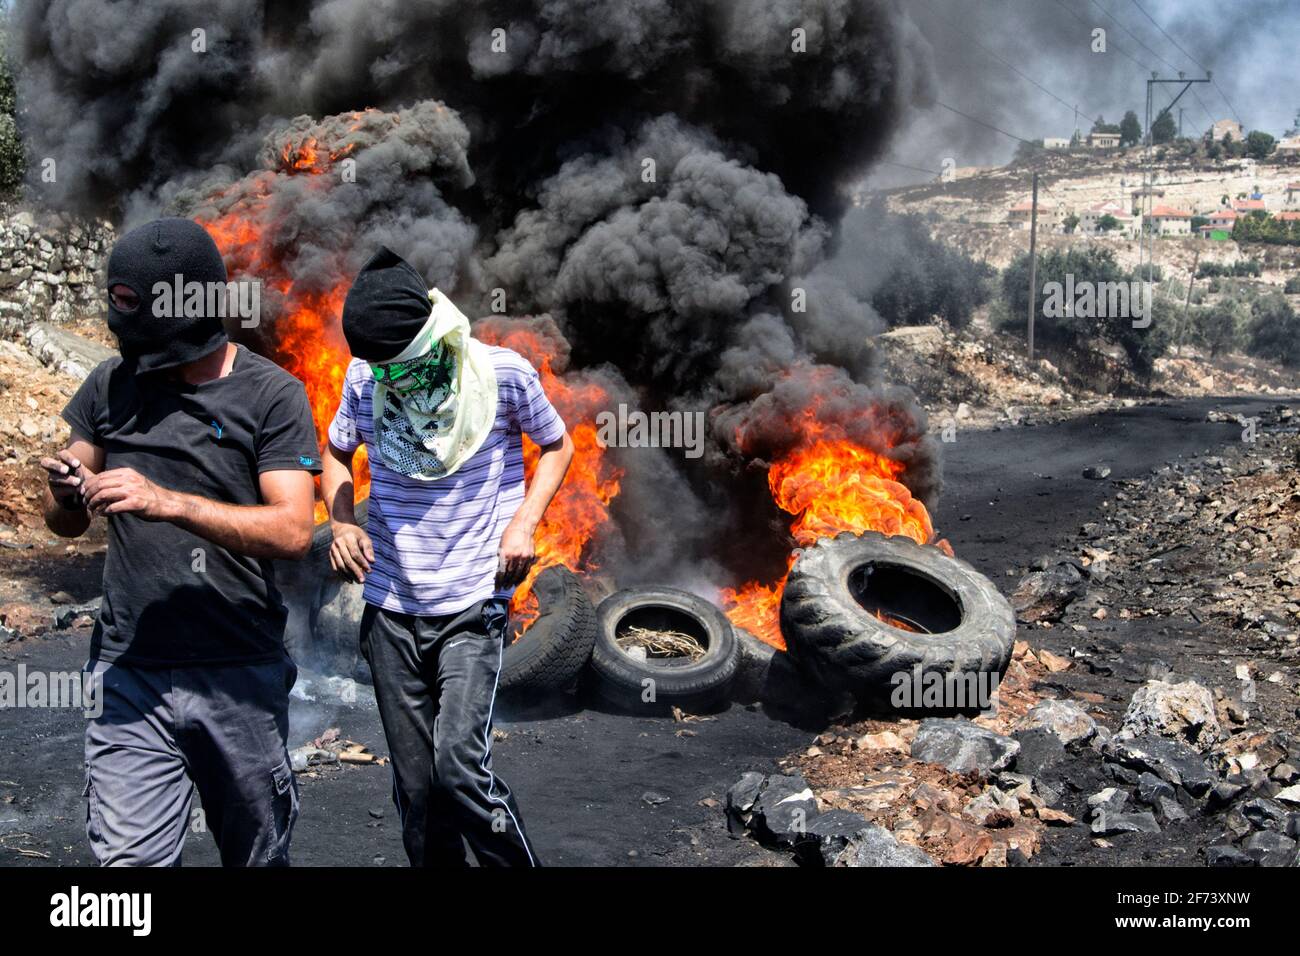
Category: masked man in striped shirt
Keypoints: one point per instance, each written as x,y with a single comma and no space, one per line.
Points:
449,534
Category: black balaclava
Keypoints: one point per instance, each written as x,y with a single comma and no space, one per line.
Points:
386,307
158,252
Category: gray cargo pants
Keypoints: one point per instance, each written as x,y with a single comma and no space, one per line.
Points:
435,682
165,733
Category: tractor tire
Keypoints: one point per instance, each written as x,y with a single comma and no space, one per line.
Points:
549,655
951,619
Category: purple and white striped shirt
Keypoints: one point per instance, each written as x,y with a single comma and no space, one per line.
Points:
436,541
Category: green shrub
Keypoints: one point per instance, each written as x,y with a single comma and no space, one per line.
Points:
1094,265
1275,330
13,164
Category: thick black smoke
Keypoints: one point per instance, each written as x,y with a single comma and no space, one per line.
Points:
114,90
664,178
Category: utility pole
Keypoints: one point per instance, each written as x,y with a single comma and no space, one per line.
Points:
1146,240
1180,122
1182,331
1033,264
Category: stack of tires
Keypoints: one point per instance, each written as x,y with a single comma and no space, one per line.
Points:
571,643
858,610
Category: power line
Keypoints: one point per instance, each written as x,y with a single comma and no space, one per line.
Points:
919,169
996,129
1141,66
1138,40
1198,63
1028,79
1073,107
1124,53
1166,35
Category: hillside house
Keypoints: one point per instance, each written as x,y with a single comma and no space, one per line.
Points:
1055,142
1090,219
1168,221
1288,148
1018,216
1244,207
1224,128
1103,140
1219,225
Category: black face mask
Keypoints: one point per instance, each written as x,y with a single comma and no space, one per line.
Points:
149,261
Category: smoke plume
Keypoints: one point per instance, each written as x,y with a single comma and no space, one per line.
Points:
658,183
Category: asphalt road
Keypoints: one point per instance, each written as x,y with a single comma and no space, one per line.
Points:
607,789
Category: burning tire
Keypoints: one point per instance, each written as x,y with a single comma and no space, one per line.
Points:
860,609
551,653
680,642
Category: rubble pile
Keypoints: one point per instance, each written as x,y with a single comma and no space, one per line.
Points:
1194,373
911,793
51,335
31,397
969,370
1211,546
1095,751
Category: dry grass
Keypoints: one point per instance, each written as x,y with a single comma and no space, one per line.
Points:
661,643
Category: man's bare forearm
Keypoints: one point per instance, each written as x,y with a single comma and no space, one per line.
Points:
65,522
259,531
552,465
336,485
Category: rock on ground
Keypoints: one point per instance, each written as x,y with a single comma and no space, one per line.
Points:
1065,719
1170,760
1044,595
1183,711
961,746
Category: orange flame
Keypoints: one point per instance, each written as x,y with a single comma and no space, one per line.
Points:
581,505
309,339
830,485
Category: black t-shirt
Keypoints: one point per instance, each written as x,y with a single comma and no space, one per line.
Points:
172,598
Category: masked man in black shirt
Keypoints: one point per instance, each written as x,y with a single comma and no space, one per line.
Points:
200,454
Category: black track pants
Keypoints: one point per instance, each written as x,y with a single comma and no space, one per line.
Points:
435,682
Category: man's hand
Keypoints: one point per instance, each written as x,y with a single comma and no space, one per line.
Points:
66,478
517,553
126,491
351,553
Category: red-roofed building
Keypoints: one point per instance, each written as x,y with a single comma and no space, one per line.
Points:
1290,215
1090,218
1168,221
1247,206
1219,224
1018,216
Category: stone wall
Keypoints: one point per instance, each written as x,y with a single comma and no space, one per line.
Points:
51,269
